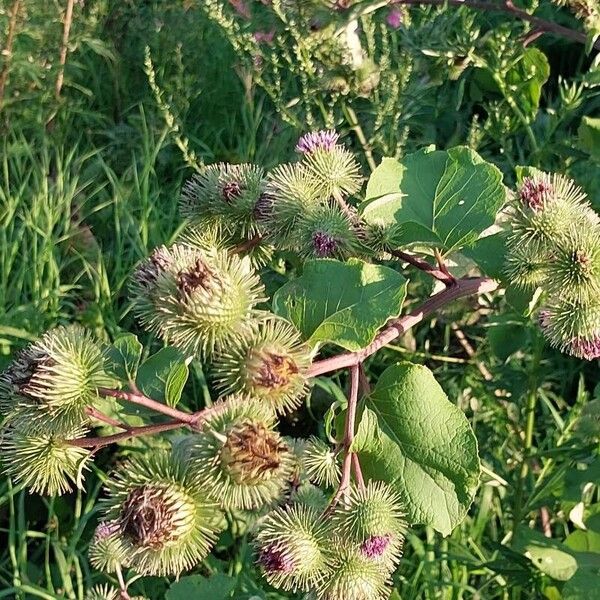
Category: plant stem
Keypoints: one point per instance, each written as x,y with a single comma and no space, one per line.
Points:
464,287
423,265
99,442
349,437
142,400
506,7
528,442
100,416
68,20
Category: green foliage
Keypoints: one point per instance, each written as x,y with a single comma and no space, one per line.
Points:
403,439
358,299
425,198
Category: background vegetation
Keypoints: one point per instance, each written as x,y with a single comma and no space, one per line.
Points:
99,130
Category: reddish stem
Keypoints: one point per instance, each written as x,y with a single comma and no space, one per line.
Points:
98,442
464,287
348,435
142,400
100,416
424,266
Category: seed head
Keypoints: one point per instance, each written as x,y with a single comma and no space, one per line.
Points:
291,548
48,386
238,457
268,363
165,521
45,463
321,463
201,301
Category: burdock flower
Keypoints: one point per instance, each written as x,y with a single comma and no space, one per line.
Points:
549,207
103,592
45,463
572,325
526,266
333,166
267,363
166,521
108,549
200,301
374,510
49,384
321,463
573,270
292,190
291,548
239,457
225,194
317,140
326,232
353,575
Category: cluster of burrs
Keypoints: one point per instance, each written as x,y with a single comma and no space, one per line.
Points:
554,245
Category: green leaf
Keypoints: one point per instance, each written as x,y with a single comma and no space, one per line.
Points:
584,585
411,436
548,555
489,253
216,587
506,336
124,357
163,376
342,303
442,198
526,78
385,179
589,136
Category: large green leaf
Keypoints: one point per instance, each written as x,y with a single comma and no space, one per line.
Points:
342,303
413,437
438,197
196,587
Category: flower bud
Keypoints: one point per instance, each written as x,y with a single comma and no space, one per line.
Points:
333,167
239,457
321,463
309,495
354,576
374,510
200,300
574,268
48,385
291,548
573,326
526,266
325,232
163,517
225,194
292,190
45,463
108,548
103,592
267,363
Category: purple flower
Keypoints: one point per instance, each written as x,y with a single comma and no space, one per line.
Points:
533,192
544,318
394,18
106,529
264,36
375,546
317,140
588,348
324,245
274,559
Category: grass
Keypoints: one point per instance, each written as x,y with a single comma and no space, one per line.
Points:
89,184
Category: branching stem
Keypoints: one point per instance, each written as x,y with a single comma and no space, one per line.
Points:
442,275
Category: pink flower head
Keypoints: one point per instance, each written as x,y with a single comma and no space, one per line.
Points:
324,245
394,18
588,348
533,192
317,140
105,529
274,559
375,546
264,36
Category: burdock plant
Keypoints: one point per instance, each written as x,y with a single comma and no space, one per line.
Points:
274,270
